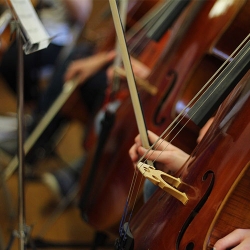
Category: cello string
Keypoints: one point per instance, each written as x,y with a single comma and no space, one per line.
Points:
132,35
146,19
147,22
132,186
184,27
130,76
181,116
242,56
135,176
163,137
177,121
184,111
130,196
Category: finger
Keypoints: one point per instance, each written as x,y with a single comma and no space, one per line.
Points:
159,144
133,153
149,154
232,239
138,140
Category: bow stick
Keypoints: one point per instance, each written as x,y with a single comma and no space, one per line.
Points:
147,170
118,60
129,73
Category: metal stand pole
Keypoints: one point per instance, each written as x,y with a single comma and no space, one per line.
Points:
23,230
21,199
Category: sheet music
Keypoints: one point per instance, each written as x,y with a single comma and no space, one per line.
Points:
37,36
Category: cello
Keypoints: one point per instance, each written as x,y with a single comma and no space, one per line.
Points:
215,179
194,193
109,193
114,216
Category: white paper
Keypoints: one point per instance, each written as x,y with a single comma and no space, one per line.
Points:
31,25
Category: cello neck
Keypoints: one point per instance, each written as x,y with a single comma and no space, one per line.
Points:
170,14
222,86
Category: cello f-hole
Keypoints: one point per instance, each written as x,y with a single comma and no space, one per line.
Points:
190,246
173,78
210,177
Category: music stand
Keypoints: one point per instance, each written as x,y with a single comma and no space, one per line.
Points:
31,37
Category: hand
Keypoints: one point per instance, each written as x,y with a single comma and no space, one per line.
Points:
168,156
239,239
87,67
139,69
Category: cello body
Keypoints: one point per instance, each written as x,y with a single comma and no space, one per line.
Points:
216,181
181,64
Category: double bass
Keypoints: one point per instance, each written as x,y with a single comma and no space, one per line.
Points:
170,77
